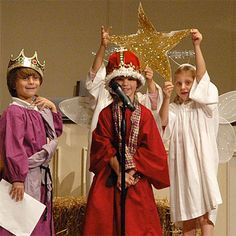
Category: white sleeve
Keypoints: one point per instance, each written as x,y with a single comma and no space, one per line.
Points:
94,83
171,121
167,132
205,94
145,100
160,97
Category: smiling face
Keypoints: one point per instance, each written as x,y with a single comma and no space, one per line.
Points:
24,83
26,88
129,86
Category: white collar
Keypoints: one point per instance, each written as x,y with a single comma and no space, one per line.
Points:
22,103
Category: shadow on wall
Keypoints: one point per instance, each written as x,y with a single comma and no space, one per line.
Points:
64,188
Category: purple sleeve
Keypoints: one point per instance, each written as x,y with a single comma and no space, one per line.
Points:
15,154
57,119
43,156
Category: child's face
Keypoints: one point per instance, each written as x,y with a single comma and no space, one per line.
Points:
27,87
183,84
129,86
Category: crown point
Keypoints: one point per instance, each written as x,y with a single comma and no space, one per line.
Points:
30,62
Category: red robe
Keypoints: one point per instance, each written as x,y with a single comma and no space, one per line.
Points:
103,206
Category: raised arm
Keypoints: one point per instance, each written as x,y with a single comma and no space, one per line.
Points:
164,111
200,62
98,60
148,73
154,95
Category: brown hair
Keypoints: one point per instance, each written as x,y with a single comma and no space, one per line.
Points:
19,73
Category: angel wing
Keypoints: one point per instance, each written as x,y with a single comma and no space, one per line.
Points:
78,109
227,106
226,135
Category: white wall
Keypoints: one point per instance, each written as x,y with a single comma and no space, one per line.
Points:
70,160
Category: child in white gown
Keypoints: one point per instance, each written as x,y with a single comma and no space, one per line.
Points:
191,125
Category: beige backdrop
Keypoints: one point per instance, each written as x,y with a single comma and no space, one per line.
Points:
66,32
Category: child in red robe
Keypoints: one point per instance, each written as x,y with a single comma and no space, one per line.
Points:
146,159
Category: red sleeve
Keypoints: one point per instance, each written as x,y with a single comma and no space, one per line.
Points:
151,157
102,148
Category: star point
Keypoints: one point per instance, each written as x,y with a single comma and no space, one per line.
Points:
150,45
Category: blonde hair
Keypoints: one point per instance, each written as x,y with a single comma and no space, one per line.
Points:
19,73
184,68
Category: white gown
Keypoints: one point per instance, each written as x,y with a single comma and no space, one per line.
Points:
100,98
193,154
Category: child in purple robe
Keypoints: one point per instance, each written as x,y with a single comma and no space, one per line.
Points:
29,128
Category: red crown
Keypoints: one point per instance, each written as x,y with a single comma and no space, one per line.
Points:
122,58
123,63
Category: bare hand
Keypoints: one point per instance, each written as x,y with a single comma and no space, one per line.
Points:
17,191
105,37
42,103
196,36
148,73
129,180
168,88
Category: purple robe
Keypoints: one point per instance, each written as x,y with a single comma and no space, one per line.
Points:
24,149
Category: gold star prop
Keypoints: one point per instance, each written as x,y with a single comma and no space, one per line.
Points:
151,46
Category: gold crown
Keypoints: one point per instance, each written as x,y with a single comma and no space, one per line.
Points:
29,62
